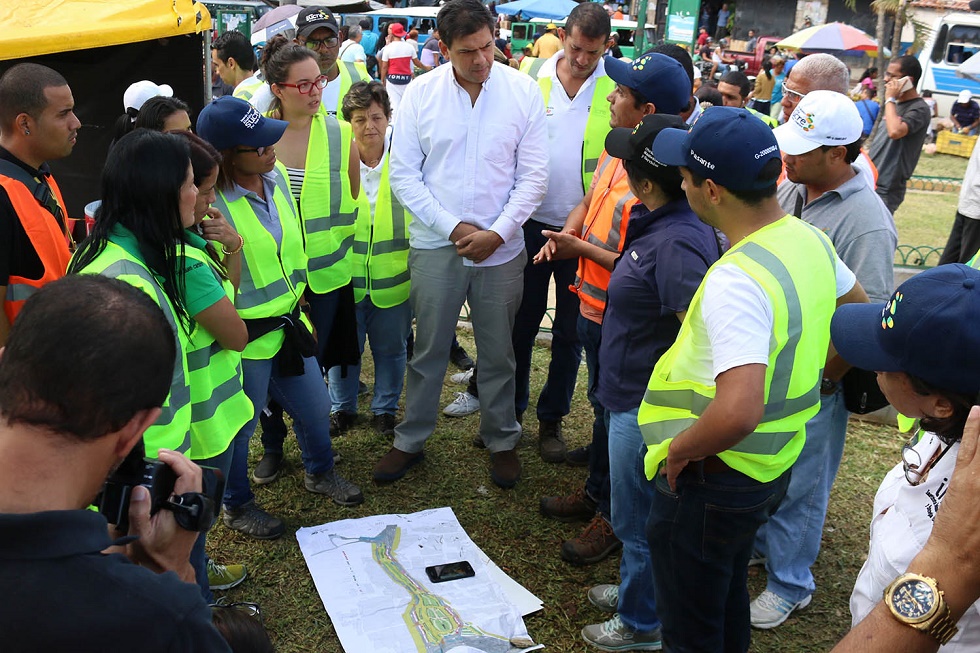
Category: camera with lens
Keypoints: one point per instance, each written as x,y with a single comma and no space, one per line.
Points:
193,511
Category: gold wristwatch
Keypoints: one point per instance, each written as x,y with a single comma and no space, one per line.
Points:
918,602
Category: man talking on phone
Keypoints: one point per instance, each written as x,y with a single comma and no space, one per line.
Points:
898,142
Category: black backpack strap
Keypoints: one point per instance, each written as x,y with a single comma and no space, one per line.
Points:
40,190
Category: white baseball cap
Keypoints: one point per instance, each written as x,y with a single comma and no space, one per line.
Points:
140,92
964,97
821,118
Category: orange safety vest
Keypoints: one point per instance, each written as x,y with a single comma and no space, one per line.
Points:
49,240
605,226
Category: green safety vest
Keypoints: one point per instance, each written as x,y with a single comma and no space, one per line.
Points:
219,406
327,209
172,428
349,73
273,277
381,248
773,123
597,125
794,263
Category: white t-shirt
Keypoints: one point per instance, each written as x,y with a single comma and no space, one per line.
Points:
371,177
352,51
900,525
736,323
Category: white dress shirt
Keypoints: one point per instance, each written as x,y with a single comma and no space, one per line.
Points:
485,164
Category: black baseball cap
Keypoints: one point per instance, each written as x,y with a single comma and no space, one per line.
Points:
313,18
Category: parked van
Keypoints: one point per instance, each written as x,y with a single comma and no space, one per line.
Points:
522,34
955,38
421,18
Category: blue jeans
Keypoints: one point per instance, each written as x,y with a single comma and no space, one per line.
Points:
555,400
597,484
700,541
307,401
199,559
388,330
631,497
791,539
323,310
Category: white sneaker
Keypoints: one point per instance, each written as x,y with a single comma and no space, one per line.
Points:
462,378
770,610
464,404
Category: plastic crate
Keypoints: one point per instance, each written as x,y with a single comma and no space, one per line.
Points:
956,144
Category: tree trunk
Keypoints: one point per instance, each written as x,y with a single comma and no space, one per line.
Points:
882,65
897,34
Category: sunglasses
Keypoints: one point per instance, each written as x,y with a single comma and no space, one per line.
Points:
915,471
790,92
245,150
307,87
314,44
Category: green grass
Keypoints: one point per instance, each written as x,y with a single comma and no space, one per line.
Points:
506,524
941,165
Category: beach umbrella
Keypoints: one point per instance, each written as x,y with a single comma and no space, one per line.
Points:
553,9
831,38
276,15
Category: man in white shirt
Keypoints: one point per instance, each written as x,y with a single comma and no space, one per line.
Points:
351,50
470,162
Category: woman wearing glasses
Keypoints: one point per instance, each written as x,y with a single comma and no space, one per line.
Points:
925,347
279,360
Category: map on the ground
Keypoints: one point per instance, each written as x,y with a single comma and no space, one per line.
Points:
370,573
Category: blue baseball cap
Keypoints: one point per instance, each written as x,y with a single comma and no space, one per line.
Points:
727,145
927,329
657,77
229,121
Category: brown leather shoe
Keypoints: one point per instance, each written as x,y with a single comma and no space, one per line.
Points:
578,506
595,543
551,444
505,469
394,464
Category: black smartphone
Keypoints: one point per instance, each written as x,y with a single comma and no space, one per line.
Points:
451,571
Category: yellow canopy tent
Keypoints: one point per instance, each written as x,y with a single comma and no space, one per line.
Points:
101,47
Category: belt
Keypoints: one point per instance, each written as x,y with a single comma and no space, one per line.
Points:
714,465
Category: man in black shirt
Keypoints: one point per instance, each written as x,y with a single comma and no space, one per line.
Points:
85,370
37,124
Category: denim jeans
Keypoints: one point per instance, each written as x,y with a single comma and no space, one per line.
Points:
791,539
199,559
323,310
700,541
597,484
388,330
555,399
307,401
631,497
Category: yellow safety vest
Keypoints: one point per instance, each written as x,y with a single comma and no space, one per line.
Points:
381,248
597,125
247,88
349,72
772,122
172,428
327,210
794,263
273,276
219,405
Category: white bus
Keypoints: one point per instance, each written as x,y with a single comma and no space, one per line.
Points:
955,38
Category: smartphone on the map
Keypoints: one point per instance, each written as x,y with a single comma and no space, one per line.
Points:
451,571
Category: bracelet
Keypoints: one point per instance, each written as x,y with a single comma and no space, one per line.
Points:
891,99
241,244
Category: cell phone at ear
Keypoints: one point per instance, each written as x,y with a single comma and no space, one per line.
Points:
451,571
906,84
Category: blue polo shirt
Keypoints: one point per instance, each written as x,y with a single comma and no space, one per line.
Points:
666,254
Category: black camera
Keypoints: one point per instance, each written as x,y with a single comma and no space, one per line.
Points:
193,511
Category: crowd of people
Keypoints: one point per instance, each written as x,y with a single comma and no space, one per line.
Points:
719,274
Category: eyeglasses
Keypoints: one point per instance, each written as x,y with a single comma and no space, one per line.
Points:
245,150
915,471
314,44
307,87
790,92
251,609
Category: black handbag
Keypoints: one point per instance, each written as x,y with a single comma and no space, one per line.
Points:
861,392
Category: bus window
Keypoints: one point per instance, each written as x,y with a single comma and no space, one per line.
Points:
519,32
939,49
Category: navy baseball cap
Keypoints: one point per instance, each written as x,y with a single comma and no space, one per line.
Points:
727,145
658,78
636,145
229,121
927,329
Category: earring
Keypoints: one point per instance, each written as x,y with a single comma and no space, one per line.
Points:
27,132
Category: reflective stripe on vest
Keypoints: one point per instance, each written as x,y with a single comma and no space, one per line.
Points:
46,237
764,118
798,277
349,72
605,226
273,277
381,248
219,406
172,428
327,208
596,127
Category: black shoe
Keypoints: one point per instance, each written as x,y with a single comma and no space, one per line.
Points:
341,422
384,423
268,468
362,388
578,457
459,357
